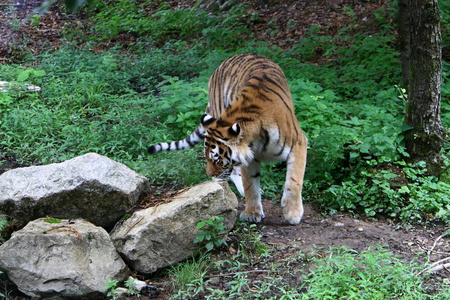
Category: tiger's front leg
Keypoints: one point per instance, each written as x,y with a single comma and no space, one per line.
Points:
251,178
292,195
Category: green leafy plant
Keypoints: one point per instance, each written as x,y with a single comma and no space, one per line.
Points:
250,244
181,104
111,287
211,233
35,19
30,74
15,21
398,190
5,101
165,25
371,274
445,21
116,292
130,285
3,224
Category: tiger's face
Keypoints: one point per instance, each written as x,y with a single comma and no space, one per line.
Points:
219,162
220,147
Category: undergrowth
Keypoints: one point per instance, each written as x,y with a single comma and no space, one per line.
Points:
350,107
337,273
165,24
3,225
371,274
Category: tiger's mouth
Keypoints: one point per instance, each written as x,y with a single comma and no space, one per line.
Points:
224,176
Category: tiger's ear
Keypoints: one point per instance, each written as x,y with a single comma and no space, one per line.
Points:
207,119
234,130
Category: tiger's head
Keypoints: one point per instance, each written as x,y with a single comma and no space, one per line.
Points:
224,148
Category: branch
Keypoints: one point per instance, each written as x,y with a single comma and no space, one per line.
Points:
434,267
438,268
434,246
236,273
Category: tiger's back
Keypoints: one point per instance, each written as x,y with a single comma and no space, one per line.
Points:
250,119
252,91
230,78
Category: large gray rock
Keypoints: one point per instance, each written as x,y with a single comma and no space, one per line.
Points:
92,187
71,259
157,237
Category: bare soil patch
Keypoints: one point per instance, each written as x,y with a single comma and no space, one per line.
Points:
317,231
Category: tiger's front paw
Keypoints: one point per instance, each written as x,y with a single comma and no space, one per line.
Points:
293,215
251,217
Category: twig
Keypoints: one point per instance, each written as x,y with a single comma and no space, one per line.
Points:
435,252
132,226
236,273
434,267
65,228
438,268
434,246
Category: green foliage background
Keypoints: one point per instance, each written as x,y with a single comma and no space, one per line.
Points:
121,100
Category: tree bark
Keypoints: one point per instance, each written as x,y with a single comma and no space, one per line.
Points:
425,140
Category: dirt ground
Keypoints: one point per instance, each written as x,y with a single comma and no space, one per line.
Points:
319,231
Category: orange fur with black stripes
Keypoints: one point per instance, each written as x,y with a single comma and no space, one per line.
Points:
250,119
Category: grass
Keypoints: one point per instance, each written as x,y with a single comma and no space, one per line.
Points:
371,274
189,274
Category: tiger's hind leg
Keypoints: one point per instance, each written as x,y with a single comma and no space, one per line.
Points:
292,195
253,207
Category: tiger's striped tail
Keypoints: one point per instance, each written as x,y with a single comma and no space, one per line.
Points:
196,137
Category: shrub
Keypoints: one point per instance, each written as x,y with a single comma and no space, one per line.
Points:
371,274
396,190
163,24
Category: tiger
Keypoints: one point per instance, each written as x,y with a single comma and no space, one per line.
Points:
250,119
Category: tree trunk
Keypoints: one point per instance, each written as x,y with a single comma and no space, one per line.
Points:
425,140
